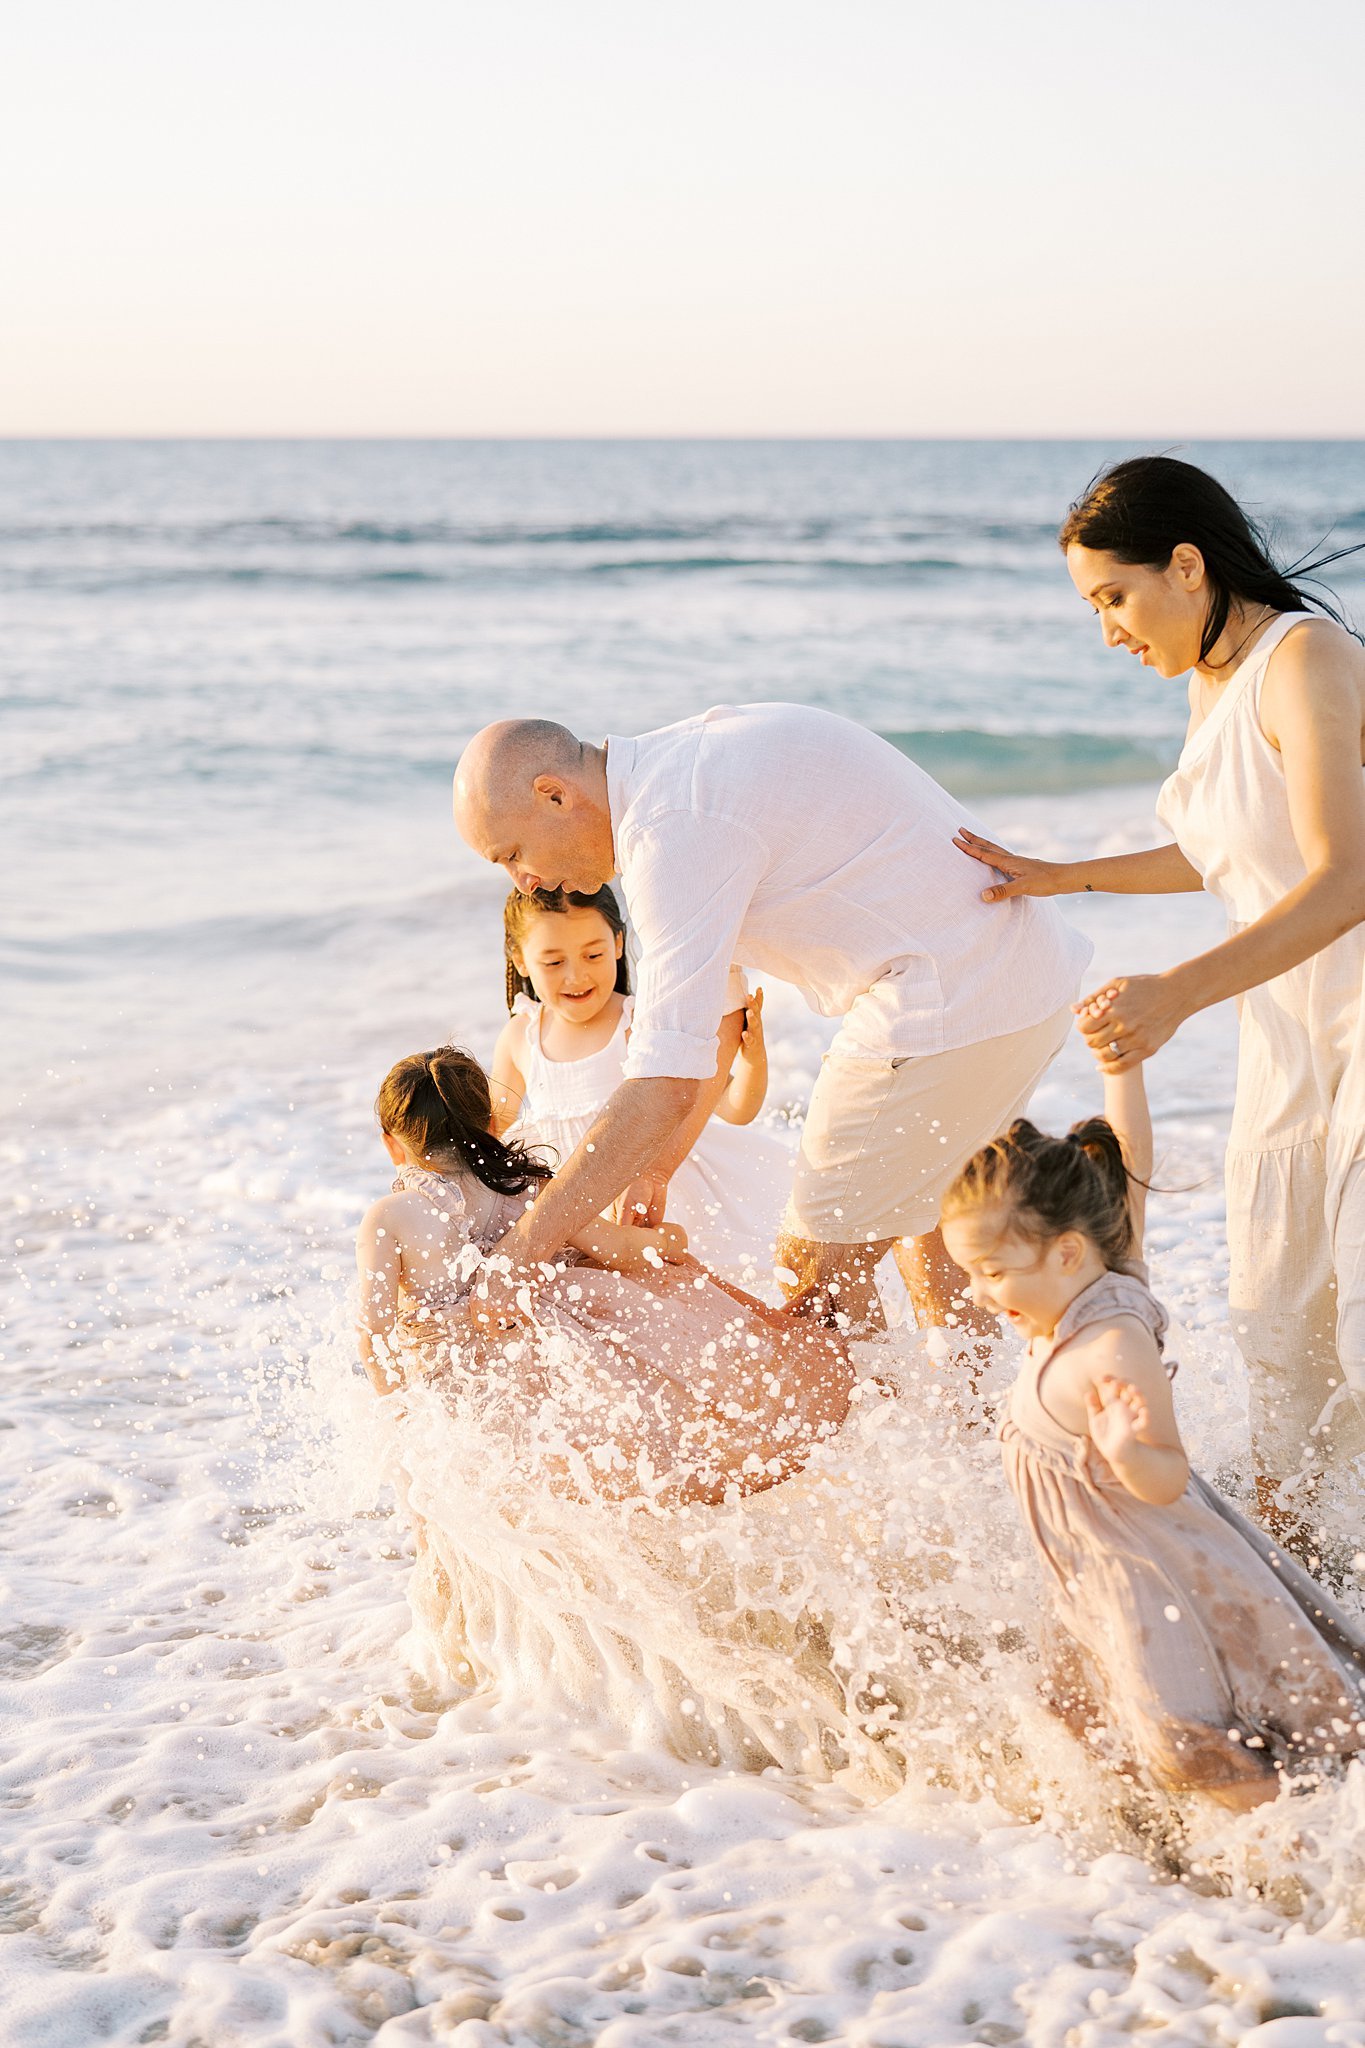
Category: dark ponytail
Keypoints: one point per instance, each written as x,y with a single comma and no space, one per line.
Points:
1142,509
1049,1185
439,1104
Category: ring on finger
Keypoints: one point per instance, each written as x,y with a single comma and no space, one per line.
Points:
1115,1048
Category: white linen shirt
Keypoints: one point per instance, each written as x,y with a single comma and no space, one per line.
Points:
804,846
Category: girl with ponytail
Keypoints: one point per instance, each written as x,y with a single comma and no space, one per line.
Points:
1188,1642
686,1388
1266,810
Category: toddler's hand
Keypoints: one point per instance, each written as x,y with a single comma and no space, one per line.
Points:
751,1037
1119,1417
643,1202
655,1248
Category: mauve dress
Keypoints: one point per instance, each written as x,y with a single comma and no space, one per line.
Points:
682,1387
1208,1656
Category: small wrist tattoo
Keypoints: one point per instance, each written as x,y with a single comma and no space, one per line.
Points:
1090,888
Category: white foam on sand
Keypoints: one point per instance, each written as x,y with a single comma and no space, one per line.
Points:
772,1772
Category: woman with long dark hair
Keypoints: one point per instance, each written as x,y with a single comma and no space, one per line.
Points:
1266,809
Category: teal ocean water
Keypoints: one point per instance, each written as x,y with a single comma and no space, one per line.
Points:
231,672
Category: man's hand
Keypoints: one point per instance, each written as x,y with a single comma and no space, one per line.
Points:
643,1202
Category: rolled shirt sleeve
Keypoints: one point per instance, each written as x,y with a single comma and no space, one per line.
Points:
688,880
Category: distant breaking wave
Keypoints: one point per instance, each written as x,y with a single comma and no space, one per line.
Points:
971,764
105,554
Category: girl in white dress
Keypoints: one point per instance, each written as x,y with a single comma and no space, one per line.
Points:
562,1055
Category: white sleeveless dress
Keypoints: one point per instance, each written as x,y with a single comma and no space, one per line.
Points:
728,1194
1296,1153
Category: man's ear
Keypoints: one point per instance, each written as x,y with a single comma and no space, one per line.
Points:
552,789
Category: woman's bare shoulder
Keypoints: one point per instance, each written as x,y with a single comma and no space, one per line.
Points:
1311,643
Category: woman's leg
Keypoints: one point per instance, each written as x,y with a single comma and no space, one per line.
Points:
1283,1306
1346,1224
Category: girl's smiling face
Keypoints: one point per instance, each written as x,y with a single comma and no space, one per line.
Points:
569,957
1029,1284
1156,614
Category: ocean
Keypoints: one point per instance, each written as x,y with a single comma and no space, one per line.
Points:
250,1797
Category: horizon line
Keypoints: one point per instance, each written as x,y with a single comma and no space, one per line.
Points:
1285,437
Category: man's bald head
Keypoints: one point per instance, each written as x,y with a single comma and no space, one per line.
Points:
532,798
497,769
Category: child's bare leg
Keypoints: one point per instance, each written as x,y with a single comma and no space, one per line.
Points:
938,1287
939,1296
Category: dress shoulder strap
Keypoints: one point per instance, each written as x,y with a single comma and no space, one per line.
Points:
1258,661
442,1190
1113,1294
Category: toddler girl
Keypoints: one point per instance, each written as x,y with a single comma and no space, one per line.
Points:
563,1054
1206,1653
670,1384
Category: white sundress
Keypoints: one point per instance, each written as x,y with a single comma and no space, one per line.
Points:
728,1194
1296,1150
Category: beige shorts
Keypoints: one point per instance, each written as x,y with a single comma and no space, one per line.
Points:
883,1138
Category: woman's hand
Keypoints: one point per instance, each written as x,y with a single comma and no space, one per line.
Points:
1023,877
1129,1019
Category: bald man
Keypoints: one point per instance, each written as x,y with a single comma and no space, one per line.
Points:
799,844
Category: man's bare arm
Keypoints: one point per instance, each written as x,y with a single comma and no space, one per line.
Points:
629,1135
680,1141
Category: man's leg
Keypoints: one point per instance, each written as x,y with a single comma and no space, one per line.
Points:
938,1287
834,1280
882,1140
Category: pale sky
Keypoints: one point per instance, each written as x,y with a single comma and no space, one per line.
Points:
683,217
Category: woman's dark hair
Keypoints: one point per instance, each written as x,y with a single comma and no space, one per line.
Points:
1142,509
439,1105
1049,1185
520,913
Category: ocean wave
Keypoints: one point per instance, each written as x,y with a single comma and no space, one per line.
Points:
970,763
73,578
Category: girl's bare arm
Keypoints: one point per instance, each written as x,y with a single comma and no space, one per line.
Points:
379,1262
507,1083
748,1083
1130,1415
1126,1107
